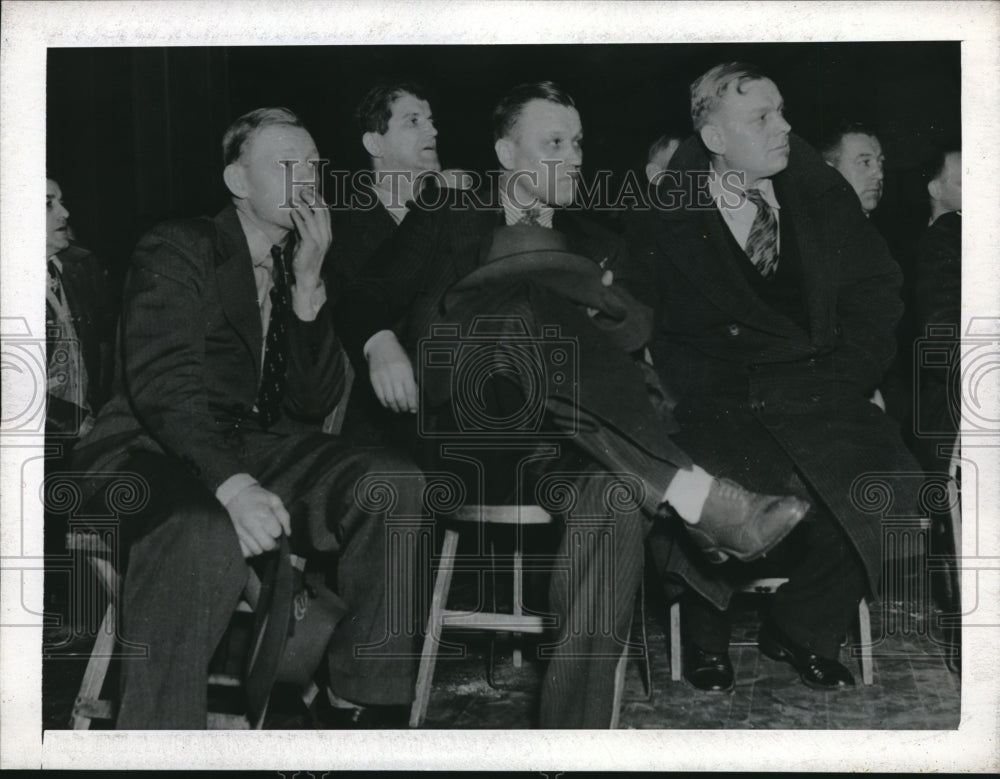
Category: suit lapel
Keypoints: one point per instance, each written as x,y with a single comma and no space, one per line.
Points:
578,240
486,223
236,286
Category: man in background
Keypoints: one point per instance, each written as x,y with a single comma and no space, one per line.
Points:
79,322
939,307
855,152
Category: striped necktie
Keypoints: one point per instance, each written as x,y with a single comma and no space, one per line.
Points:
762,244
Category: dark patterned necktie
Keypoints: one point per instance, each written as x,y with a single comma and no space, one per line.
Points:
530,217
272,382
762,244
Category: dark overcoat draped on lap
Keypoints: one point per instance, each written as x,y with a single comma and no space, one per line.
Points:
758,391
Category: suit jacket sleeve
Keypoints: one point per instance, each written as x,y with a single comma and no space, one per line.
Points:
316,373
380,297
168,296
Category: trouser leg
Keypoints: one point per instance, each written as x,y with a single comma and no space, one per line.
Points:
184,577
826,580
594,597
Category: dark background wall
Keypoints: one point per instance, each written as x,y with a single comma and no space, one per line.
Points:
133,133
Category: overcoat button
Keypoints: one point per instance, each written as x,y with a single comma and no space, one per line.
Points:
734,329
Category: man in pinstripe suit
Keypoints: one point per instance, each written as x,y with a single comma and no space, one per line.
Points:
228,363
537,134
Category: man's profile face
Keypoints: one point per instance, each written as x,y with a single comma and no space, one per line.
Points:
56,234
275,156
543,153
410,141
861,162
949,183
752,133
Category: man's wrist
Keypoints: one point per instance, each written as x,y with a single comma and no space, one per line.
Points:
380,337
308,297
233,486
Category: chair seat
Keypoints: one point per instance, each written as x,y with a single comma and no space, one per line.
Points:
503,515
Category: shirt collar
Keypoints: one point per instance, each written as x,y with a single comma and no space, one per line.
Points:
731,189
390,203
258,243
54,259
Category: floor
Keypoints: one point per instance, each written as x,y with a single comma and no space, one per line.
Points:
913,689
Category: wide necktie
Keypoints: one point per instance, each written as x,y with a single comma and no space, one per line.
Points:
762,244
272,382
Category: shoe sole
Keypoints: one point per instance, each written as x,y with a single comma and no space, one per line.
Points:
718,554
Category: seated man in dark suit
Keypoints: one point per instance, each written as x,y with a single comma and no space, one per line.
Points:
228,363
79,323
775,325
398,133
608,431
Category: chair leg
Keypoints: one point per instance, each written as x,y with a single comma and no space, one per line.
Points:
675,641
428,656
645,663
89,695
620,669
865,636
518,596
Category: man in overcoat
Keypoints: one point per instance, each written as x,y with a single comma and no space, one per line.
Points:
775,324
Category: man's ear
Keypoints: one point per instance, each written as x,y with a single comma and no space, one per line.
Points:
236,180
505,153
711,136
934,189
372,143
651,170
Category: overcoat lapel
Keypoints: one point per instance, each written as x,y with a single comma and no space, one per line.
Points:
722,281
818,273
236,285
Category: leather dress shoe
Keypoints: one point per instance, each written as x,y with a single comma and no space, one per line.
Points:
820,673
742,524
708,671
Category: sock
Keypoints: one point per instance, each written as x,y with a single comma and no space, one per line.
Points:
688,491
337,702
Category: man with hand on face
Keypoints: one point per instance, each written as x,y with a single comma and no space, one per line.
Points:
775,325
228,361
447,264
856,153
